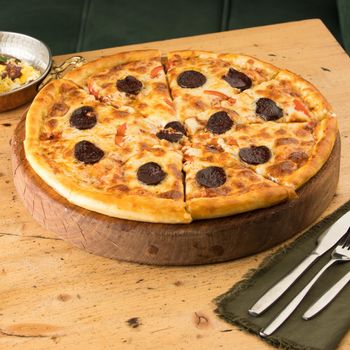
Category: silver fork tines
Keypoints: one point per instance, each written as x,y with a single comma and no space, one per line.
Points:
341,253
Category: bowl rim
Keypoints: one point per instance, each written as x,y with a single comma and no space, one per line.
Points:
42,76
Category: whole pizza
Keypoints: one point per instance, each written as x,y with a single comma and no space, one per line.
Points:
195,135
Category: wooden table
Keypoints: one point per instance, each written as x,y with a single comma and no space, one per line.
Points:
54,296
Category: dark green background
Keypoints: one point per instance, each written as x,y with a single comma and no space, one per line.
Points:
69,26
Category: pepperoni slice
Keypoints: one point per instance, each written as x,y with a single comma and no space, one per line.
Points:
268,109
87,152
172,132
237,79
151,173
191,79
83,118
211,177
176,126
255,154
130,85
169,136
219,123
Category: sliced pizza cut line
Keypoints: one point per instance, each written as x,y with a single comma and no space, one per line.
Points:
135,80
217,185
147,186
63,111
202,81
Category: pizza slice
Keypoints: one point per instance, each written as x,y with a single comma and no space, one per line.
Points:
246,72
142,183
218,185
65,111
58,102
286,98
135,79
287,153
203,83
317,106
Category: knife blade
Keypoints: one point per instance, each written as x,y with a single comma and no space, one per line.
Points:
325,242
326,298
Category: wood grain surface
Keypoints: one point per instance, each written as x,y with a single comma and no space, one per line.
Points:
54,296
200,242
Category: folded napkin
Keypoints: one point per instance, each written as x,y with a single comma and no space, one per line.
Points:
325,330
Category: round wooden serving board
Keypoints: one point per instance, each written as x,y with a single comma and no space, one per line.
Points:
200,242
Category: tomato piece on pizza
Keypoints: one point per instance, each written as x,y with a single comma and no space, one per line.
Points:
307,96
287,153
65,111
287,98
219,185
135,79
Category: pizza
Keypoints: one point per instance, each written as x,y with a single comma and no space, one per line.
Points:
193,135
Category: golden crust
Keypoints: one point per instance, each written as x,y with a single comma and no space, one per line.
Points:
213,207
80,74
245,60
308,92
325,136
46,98
242,190
189,53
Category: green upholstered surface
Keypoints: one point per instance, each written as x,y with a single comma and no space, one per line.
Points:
57,23
132,21
344,20
69,26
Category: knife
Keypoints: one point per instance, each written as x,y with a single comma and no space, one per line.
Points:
326,298
325,242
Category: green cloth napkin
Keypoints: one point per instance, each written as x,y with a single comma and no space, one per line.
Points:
325,330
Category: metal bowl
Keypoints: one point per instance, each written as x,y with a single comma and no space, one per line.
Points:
31,50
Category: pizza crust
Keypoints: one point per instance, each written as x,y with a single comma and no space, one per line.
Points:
308,92
214,207
80,74
325,136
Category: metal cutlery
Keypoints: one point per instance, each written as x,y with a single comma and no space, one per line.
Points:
326,241
341,253
326,298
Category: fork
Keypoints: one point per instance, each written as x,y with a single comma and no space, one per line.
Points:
341,253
